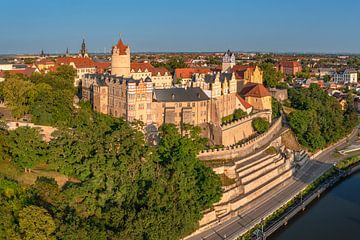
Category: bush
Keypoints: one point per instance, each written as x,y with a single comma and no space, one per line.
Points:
260,125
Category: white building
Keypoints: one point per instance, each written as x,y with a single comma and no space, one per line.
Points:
347,76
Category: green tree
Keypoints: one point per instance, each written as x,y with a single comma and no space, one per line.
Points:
260,125
36,223
276,108
19,95
24,146
272,77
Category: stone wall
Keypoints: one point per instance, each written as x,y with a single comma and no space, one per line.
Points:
241,150
231,133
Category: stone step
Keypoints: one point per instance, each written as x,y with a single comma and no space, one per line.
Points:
268,176
262,171
257,165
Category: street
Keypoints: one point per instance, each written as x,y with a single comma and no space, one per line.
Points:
252,213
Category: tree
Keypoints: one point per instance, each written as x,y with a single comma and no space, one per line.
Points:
24,146
305,73
36,223
238,113
276,108
272,77
260,125
19,95
327,78
318,119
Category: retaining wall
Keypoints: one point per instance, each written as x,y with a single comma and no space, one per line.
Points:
244,149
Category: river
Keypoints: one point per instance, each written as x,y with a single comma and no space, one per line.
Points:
335,216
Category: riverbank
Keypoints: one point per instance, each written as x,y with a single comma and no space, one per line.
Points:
313,191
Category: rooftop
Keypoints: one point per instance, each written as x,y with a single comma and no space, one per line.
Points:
180,95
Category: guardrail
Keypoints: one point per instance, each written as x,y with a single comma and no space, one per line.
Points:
300,205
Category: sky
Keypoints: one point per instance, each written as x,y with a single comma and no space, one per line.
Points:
321,26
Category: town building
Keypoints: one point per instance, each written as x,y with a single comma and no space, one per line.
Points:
180,106
289,67
348,76
228,61
122,66
206,99
184,76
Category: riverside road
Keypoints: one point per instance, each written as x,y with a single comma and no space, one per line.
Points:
252,213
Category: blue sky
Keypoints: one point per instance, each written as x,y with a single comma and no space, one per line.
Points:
183,25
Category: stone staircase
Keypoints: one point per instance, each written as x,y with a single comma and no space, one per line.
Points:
254,177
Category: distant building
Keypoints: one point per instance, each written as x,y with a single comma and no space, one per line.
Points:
184,76
322,72
349,76
228,61
289,67
83,51
121,66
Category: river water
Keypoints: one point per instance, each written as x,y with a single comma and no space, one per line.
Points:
335,216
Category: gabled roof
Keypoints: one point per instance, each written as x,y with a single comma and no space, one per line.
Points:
254,90
240,71
79,62
142,67
180,95
188,72
243,102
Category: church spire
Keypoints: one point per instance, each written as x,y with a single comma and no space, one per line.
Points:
83,50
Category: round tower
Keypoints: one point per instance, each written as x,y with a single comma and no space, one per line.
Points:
120,60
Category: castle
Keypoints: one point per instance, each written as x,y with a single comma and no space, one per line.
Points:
139,91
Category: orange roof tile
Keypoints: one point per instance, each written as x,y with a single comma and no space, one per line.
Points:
27,71
121,46
142,67
79,62
255,90
188,72
243,102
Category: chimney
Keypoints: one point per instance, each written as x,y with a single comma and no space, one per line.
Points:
173,96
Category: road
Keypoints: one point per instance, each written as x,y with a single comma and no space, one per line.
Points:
252,213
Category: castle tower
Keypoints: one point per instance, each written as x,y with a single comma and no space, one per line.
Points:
120,60
228,61
83,51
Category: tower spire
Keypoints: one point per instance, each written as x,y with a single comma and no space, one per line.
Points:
83,51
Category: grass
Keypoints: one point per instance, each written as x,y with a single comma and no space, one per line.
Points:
271,150
7,169
288,110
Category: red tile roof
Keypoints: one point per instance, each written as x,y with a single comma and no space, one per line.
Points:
45,61
243,102
240,71
188,72
121,46
255,90
142,67
79,62
101,67
27,72
160,70
290,64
